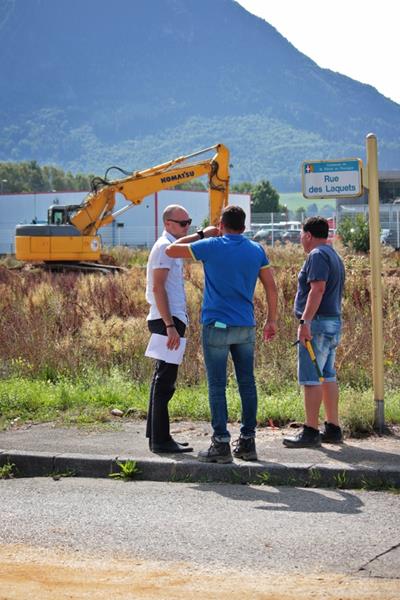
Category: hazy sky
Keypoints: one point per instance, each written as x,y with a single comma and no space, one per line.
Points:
358,38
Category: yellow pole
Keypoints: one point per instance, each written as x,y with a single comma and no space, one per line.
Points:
376,282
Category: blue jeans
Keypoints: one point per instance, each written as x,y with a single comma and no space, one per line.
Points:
326,336
217,344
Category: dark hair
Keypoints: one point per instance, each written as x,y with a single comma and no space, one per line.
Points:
317,226
234,217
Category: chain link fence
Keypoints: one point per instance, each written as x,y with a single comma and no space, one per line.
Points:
389,219
269,228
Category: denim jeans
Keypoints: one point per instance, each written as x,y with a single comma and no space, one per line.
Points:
326,336
217,344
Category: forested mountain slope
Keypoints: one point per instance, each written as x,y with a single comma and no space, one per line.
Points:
87,84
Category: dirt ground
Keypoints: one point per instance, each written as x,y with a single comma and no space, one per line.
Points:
28,573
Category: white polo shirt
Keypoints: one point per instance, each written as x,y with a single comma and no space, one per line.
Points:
174,284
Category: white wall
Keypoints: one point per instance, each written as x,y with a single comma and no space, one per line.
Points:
142,224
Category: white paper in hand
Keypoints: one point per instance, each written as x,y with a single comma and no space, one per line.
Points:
157,348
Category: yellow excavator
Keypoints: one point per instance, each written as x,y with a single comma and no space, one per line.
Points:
70,240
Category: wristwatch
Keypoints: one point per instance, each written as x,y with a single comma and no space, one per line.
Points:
304,321
200,233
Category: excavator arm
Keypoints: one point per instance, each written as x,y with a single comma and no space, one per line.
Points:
97,209
70,235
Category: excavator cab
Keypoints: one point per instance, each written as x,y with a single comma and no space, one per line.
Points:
57,215
57,240
60,215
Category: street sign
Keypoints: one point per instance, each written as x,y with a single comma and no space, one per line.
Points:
332,179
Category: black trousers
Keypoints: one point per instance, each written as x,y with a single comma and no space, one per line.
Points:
162,388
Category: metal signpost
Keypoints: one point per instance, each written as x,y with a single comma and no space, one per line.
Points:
343,179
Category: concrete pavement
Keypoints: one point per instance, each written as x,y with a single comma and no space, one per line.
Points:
48,449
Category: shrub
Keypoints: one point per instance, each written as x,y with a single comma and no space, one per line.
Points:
355,234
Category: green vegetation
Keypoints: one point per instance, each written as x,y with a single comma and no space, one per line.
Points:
90,399
265,198
263,478
278,145
355,233
341,481
28,176
72,346
296,202
7,471
380,484
264,195
129,470
57,475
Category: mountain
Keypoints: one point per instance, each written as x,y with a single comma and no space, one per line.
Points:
91,83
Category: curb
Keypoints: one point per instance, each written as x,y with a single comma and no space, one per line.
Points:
44,464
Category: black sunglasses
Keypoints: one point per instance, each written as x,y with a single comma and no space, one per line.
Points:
182,223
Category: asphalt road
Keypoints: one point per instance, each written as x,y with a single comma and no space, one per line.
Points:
283,530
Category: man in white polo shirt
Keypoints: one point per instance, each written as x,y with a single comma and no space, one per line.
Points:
165,293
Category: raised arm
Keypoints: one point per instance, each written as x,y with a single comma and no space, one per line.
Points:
180,248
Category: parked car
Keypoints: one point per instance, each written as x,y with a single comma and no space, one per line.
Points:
268,236
292,236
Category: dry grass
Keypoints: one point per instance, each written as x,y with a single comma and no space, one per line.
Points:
63,324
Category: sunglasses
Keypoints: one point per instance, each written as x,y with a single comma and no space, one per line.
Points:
182,223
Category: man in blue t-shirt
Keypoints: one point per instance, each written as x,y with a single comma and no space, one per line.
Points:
318,307
232,265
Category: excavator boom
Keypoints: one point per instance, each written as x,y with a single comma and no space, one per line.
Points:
72,235
97,208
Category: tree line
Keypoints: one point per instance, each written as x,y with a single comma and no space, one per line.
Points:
29,176
264,197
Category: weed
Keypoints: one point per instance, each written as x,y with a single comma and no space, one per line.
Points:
236,476
182,478
379,485
263,478
314,478
57,475
341,480
129,470
291,481
7,471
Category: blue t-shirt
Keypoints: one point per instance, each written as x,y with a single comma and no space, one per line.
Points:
231,264
322,264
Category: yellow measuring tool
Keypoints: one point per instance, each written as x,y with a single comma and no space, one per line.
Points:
313,358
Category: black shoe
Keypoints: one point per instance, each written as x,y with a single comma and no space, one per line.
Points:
169,447
331,434
245,448
218,452
307,438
